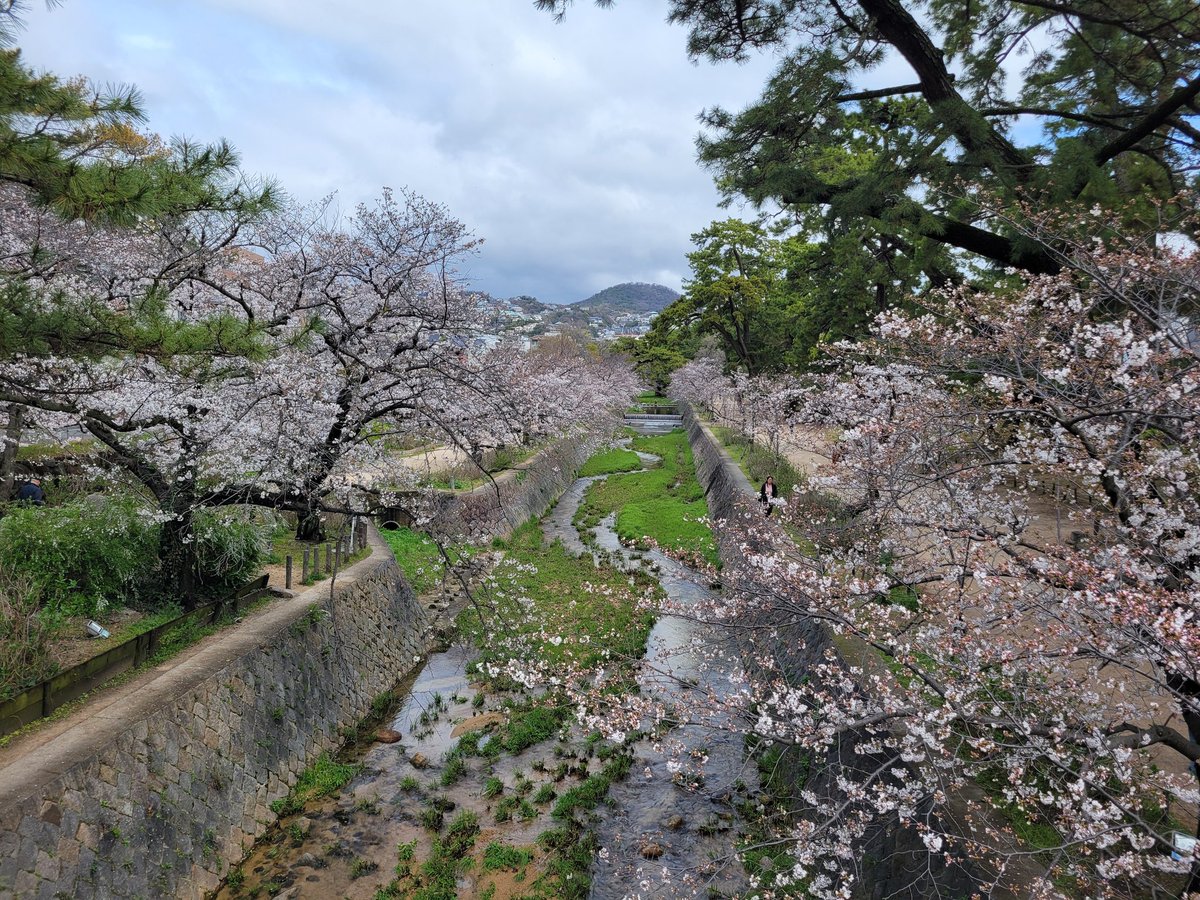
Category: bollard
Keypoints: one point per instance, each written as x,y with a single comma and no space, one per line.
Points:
304,570
328,558
287,572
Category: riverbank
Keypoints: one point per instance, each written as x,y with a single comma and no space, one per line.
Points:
151,794
492,790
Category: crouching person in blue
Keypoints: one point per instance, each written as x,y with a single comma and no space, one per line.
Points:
31,492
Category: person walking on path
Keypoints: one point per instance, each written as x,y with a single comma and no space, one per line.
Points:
31,492
768,493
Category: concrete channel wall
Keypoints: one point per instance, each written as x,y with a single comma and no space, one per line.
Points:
892,862
180,780
496,509
157,793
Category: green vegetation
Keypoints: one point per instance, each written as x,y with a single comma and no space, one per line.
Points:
82,556
529,725
493,787
510,457
360,867
418,556
653,363
588,795
665,504
499,857
568,871
455,769
609,462
541,590
24,632
631,296
320,779
437,877
783,772
758,461
86,556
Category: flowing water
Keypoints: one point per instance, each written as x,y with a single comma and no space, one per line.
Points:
663,839
660,838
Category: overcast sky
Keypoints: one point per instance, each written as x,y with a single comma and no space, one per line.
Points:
568,147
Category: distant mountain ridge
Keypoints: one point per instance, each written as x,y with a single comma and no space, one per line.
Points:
631,296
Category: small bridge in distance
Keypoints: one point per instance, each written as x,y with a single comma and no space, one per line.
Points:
657,419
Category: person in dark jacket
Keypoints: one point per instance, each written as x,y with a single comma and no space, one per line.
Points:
767,493
31,492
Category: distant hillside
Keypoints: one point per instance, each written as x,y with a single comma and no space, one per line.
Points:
633,296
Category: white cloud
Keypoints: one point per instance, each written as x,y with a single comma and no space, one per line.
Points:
569,148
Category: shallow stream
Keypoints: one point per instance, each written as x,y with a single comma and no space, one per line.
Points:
659,838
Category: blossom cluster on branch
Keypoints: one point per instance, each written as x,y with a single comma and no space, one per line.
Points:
1003,559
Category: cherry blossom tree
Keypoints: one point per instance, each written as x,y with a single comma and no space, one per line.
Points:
270,361
989,629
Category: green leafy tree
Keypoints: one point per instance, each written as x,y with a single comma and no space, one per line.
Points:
1111,91
771,301
653,362
736,274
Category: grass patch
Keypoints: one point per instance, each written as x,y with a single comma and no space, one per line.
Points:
499,857
664,504
568,871
610,462
531,725
674,525
320,779
546,604
587,795
437,877
418,556
651,398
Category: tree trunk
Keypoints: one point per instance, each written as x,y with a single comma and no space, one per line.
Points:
177,559
310,526
8,454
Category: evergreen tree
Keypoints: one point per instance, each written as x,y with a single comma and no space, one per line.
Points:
1111,91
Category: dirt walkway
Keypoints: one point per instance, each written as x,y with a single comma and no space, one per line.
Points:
1051,522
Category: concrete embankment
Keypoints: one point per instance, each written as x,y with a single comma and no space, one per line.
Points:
155,787
892,860
497,507
149,791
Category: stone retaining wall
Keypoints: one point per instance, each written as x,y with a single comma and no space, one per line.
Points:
892,862
159,810
497,509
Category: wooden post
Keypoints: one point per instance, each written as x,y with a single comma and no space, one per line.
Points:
328,558
287,572
1058,523
304,567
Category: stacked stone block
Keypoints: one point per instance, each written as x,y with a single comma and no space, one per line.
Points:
164,808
